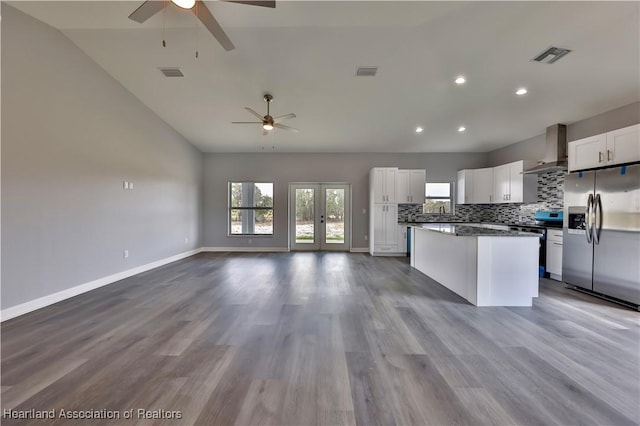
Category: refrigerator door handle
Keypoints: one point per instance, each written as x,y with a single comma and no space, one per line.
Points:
588,227
597,223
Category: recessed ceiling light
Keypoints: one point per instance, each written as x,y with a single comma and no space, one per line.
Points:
419,129
521,91
460,80
462,129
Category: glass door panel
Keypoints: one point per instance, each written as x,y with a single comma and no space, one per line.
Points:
334,215
305,215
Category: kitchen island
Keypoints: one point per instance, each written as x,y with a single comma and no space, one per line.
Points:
487,267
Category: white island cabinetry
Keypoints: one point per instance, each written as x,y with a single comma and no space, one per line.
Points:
484,266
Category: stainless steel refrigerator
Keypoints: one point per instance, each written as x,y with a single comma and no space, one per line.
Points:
601,245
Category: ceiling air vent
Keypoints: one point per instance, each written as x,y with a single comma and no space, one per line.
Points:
171,72
551,55
366,71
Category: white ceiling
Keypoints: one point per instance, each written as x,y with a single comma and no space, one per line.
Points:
305,53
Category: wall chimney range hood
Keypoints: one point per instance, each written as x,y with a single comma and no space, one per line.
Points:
555,154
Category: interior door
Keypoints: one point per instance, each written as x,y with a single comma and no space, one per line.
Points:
320,217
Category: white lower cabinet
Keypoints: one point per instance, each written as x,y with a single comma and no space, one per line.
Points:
554,253
384,238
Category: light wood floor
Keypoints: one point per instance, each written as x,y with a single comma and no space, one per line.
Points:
322,338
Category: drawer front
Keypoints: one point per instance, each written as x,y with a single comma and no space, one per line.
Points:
554,235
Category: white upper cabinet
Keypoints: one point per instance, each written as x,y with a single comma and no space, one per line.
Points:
587,153
464,187
483,186
475,186
410,186
510,185
617,147
623,145
383,184
501,183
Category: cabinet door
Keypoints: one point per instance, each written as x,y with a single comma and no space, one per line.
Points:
554,257
390,184
379,216
402,187
516,182
501,183
483,186
587,153
623,145
378,185
391,225
417,179
464,187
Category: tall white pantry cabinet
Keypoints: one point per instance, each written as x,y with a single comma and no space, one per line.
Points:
383,223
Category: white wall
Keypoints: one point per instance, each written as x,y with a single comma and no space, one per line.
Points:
283,169
71,134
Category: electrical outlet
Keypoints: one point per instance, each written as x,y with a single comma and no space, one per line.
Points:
130,185
125,184
364,211
125,254
366,237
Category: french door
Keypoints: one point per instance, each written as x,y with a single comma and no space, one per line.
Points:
319,216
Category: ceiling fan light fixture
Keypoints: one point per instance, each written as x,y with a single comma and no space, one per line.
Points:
267,126
185,4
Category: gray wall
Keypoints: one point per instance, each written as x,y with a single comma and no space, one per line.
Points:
283,169
71,134
533,148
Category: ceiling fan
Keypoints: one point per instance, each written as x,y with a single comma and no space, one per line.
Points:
202,12
268,122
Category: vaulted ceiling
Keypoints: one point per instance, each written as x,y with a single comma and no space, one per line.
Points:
306,53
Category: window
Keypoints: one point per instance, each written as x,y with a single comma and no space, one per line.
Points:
438,196
250,208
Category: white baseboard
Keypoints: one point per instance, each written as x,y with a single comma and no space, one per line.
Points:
50,299
359,250
245,249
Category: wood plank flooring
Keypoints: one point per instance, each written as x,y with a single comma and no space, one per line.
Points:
320,338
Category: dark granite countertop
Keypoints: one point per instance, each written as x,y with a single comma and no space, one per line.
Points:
471,231
530,225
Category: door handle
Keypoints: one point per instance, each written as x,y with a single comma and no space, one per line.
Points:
599,156
597,210
587,219
609,156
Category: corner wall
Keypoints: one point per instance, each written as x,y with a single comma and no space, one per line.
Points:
71,135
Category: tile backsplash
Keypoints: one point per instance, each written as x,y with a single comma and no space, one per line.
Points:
550,197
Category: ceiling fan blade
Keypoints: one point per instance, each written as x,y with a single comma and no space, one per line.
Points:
146,10
202,12
283,127
254,113
246,122
263,3
284,117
